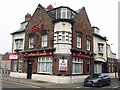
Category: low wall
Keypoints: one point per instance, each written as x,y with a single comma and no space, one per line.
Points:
54,79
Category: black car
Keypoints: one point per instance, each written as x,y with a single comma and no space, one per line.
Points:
97,79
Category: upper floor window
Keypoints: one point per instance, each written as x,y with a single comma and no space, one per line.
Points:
62,37
44,41
31,42
88,44
64,13
78,41
19,44
100,48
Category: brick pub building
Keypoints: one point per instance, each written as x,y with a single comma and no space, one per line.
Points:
58,42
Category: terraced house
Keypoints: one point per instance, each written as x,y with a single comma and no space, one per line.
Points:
58,42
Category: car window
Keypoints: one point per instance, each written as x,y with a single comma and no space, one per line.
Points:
94,75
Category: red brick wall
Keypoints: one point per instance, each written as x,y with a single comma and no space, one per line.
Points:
56,65
39,16
82,25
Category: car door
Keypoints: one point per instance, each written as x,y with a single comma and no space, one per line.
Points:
105,79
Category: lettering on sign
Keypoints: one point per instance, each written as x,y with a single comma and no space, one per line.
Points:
38,54
36,28
13,56
62,64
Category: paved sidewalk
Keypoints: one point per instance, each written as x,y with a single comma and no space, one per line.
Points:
41,84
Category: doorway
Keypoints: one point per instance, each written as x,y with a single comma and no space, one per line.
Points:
29,69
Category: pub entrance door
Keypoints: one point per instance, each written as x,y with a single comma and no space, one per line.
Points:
29,69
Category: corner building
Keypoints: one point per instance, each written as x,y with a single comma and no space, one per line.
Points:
58,41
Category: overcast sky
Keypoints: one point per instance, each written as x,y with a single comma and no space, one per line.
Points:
102,14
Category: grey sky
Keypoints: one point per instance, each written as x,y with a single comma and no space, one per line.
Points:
101,13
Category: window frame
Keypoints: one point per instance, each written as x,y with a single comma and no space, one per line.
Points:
31,42
45,61
88,45
77,61
19,44
44,40
64,10
79,41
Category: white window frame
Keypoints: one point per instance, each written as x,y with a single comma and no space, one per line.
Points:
78,41
14,65
64,11
19,44
77,61
20,65
100,48
63,37
31,42
88,44
46,62
44,40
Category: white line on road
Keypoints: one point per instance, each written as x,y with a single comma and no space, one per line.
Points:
22,84
116,87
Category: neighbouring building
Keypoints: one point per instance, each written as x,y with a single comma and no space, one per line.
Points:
6,63
18,41
58,42
100,50
112,61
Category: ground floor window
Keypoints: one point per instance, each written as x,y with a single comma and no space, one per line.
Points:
77,66
15,65
45,65
97,68
20,65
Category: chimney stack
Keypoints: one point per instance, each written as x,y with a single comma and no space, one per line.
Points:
49,7
27,17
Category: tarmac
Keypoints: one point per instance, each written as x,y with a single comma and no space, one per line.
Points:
41,84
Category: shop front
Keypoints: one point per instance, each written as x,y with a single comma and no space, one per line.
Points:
82,62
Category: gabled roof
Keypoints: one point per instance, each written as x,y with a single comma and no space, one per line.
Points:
18,31
80,11
99,36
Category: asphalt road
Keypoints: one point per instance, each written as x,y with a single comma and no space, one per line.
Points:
8,84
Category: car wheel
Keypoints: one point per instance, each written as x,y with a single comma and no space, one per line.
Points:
100,84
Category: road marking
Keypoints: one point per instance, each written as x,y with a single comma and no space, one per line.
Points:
77,87
116,87
22,84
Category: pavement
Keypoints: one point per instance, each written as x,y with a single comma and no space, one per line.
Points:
41,84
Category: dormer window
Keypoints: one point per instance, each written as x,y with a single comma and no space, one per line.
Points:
64,13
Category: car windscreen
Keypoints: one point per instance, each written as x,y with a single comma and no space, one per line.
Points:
95,75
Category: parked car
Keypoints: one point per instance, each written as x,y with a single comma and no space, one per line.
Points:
97,79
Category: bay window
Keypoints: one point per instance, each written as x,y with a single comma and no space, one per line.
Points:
100,48
19,44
